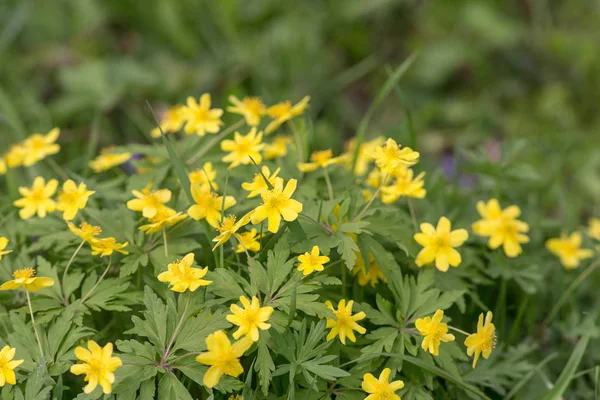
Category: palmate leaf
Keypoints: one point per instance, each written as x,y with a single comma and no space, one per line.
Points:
195,371
193,334
154,324
169,388
264,366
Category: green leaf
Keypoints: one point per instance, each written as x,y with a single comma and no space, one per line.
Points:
264,366
194,332
346,247
169,388
569,370
154,326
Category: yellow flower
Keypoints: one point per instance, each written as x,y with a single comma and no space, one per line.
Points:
241,148
250,319
37,147
320,159
16,155
26,279
252,108
371,277
208,205
236,397
200,118
149,202
7,366
381,389
594,228
434,331
249,240
85,231
98,365
363,160
502,226
484,341
3,244
438,244
3,167
165,217
391,156
106,161
284,111
171,122
568,249
182,276
37,200
311,262
72,198
277,203
258,184
277,148
205,176
344,323
229,227
223,357
107,246
404,185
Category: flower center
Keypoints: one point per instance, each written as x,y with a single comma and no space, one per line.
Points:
280,109
37,142
244,146
227,224
201,115
313,260
24,273
273,199
442,241
90,230
253,105
384,392
321,157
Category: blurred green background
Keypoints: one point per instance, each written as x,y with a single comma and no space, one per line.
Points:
488,73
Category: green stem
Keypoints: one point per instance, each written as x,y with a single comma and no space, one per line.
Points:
567,293
328,181
413,215
366,207
37,336
165,242
216,140
176,331
65,300
458,330
97,283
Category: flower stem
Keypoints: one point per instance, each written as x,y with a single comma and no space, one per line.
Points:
65,299
413,215
328,181
37,336
165,242
177,328
567,293
215,140
366,207
299,145
458,330
97,283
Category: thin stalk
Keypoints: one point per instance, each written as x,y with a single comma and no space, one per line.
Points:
413,215
344,279
567,293
328,181
177,328
61,172
216,140
97,283
242,244
366,207
164,232
458,330
37,336
65,300
299,144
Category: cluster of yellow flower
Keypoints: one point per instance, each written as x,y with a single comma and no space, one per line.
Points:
33,149
392,163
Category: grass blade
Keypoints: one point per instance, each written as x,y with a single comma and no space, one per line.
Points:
530,375
383,93
567,373
176,163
